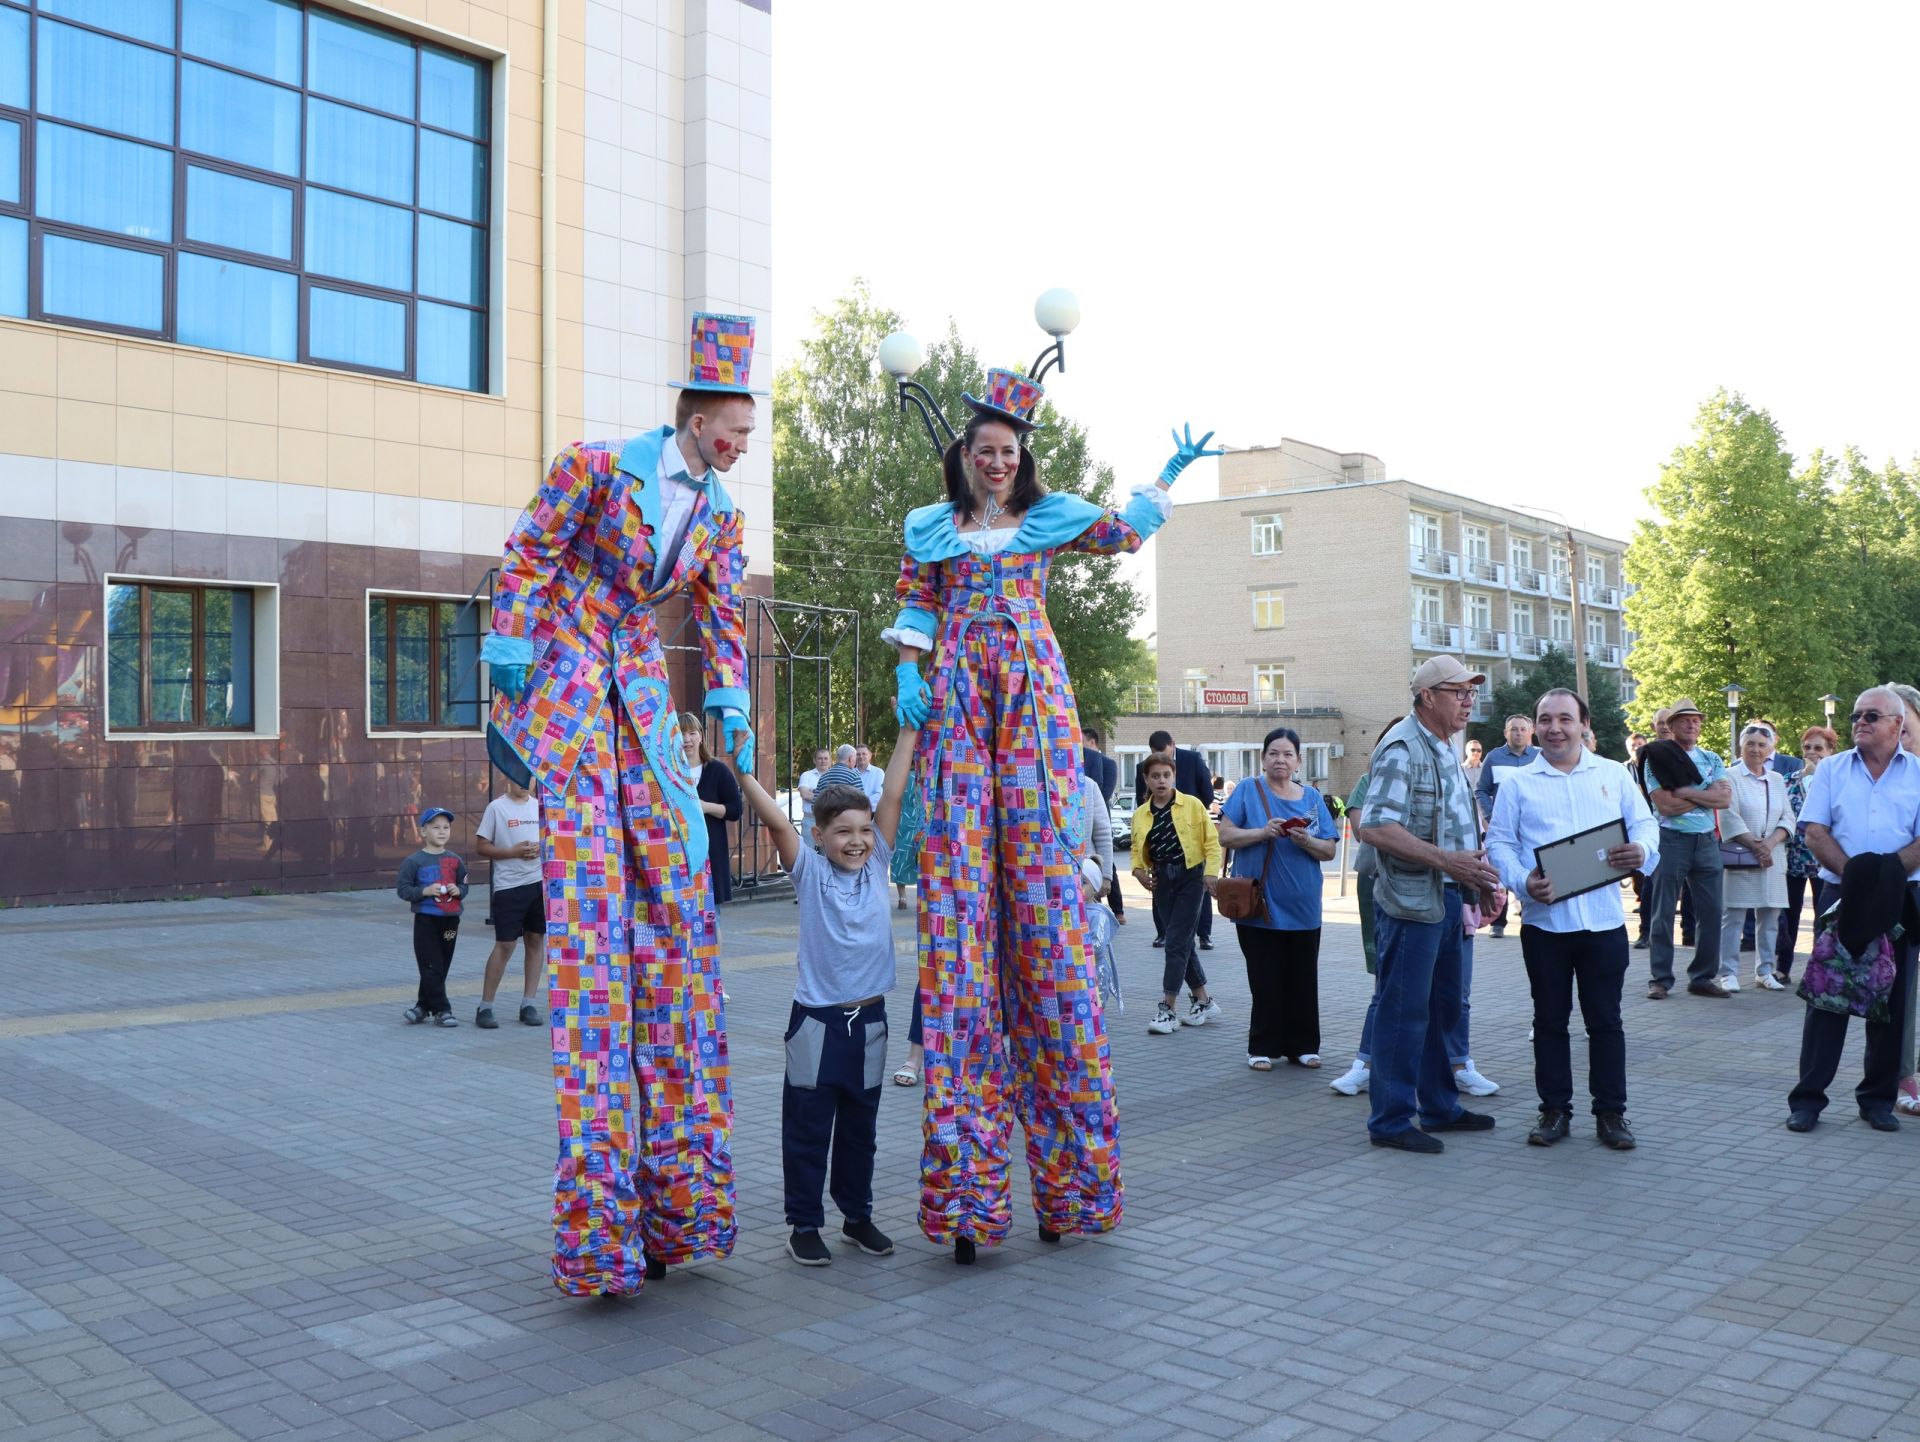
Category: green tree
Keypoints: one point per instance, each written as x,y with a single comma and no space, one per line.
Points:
1729,571
1872,596
1555,669
848,466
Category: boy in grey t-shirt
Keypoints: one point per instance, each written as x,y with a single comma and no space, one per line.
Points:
837,1031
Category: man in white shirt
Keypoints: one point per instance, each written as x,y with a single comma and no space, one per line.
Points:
873,779
809,783
1582,939
1862,802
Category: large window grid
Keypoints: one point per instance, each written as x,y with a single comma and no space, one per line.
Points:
423,657
179,657
219,172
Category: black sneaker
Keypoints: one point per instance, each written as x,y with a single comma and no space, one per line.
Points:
808,1249
483,1017
1411,1140
529,1014
414,1015
1466,1122
866,1236
1159,941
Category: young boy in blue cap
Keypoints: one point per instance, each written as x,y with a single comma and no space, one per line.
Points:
434,881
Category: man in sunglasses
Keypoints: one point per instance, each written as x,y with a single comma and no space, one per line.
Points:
1863,802
1689,859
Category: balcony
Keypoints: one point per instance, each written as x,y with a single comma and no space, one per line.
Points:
1435,636
1192,701
1483,706
1605,598
1485,642
1529,582
1601,654
1523,646
1441,565
1480,570
1560,587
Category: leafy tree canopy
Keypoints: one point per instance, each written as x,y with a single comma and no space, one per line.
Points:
1555,670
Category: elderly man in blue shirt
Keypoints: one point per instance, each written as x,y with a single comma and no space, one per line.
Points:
1862,802
1690,858
1582,939
1519,751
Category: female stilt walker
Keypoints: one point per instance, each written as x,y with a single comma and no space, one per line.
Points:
1008,988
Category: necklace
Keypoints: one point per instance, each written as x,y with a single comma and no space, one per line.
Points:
990,513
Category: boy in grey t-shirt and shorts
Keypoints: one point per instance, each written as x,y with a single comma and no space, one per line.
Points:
509,837
837,1031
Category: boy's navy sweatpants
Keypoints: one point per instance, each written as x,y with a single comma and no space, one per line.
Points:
829,1107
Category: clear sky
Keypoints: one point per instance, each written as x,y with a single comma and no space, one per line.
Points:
1507,248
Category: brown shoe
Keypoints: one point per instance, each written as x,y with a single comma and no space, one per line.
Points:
1656,992
1708,988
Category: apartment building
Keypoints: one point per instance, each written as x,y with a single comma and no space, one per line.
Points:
296,299
1307,593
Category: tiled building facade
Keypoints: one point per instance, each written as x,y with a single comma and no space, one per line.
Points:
234,649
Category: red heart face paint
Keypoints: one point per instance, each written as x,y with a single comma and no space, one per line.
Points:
722,447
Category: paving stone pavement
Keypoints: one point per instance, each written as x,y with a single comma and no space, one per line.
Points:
240,1200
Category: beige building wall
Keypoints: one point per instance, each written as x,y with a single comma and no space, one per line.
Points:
1350,579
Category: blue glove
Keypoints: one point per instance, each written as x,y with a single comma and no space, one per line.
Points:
911,695
736,734
1185,452
509,659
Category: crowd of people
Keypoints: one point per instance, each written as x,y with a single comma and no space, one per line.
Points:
992,808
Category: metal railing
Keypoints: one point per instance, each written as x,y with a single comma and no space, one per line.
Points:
1529,581
1184,701
1560,587
1435,636
1523,645
1602,654
1605,596
1443,564
1484,642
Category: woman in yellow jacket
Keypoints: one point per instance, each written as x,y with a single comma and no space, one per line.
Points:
1176,855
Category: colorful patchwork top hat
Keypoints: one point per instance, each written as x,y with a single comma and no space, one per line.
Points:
722,355
1011,397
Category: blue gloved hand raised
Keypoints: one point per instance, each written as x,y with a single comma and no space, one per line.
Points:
1185,452
736,734
911,695
509,659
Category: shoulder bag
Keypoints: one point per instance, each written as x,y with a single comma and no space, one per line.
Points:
1242,898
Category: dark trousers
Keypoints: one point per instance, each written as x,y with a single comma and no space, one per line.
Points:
1202,926
1115,902
1596,962
1177,893
1689,863
1283,976
829,1106
916,1033
1788,936
433,939
1824,1035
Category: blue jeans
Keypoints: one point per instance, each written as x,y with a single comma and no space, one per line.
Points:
1419,997
1459,1051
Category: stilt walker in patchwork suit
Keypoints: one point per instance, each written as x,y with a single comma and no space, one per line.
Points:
583,716
1008,982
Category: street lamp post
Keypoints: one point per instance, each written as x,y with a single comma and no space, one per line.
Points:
1829,701
1057,312
1734,693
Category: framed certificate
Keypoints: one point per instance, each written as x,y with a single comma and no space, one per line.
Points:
1578,863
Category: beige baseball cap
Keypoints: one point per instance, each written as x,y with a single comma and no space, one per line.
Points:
1444,671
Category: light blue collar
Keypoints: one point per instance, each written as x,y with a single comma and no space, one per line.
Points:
1056,519
640,459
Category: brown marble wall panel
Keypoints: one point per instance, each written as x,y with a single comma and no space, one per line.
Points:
320,805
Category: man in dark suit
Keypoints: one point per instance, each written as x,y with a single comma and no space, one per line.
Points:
1192,775
1105,772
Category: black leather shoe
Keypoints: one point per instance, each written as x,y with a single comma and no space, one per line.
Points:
1466,1122
655,1270
1411,1140
1881,1121
1159,941
1641,943
1551,1127
1803,1121
1047,1234
963,1251
1612,1130
1708,988
1206,944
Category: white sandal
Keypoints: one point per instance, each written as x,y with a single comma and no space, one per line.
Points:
1311,1061
1260,1063
905,1076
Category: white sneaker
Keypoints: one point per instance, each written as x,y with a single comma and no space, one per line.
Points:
1164,1021
1354,1082
1729,983
1199,1011
1472,1083
1769,981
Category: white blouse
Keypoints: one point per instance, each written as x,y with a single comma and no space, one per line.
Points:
992,543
